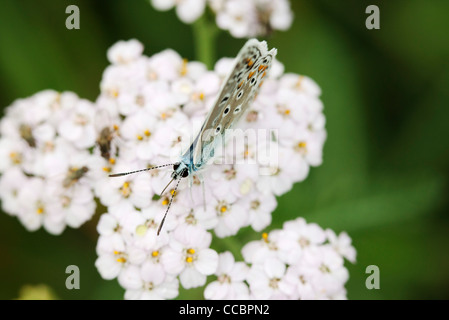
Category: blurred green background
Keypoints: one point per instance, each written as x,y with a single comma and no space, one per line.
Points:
384,179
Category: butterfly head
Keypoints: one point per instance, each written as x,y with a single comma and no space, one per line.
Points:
180,170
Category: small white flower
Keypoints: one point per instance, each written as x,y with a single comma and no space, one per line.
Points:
301,278
139,129
149,282
327,272
189,256
267,280
279,176
10,184
77,205
112,256
234,179
308,146
187,10
231,216
134,189
342,244
124,52
260,208
229,284
253,17
281,16
239,17
108,225
300,83
34,209
202,94
197,215
78,127
166,65
297,237
13,153
260,250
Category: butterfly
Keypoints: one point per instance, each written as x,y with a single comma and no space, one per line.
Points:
239,89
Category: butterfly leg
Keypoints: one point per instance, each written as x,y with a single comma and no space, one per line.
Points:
190,189
201,178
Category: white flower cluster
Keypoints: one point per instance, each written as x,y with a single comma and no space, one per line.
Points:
243,19
300,261
45,161
57,152
156,105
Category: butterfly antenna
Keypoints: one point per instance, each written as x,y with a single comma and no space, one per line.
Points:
169,204
146,169
167,186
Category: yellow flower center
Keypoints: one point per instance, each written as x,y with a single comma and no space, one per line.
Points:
16,158
120,256
299,82
183,70
301,147
274,283
114,93
190,255
283,110
303,242
265,236
324,269
140,100
224,278
255,204
198,96
126,189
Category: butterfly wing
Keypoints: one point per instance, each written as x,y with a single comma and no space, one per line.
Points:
238,91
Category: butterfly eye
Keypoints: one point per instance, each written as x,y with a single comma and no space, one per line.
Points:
175,166
185,173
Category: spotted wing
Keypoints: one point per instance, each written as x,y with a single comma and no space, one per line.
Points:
238,91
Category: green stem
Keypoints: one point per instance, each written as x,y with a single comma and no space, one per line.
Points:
205,34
